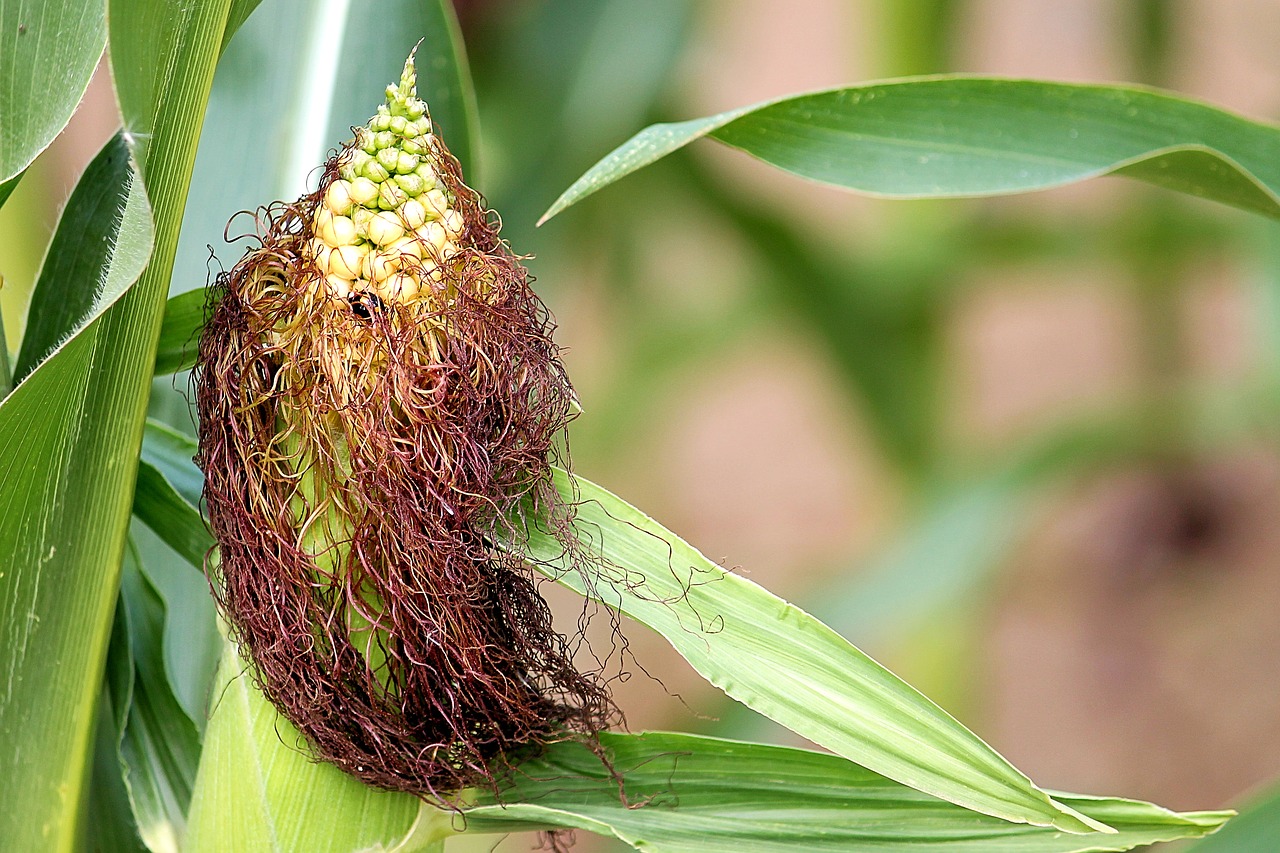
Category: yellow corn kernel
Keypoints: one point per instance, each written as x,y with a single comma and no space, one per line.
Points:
339,288
335,230
413,214
453,223
385,227
398,287
436,203
363,191
346,261
433,236
338,197
378,265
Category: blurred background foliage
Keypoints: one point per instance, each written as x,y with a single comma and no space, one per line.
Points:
1021,450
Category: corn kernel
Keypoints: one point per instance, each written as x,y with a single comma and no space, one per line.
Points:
338,197
412,185
453,223
427,174
433,236
388,158
363,191
406,163
339,288
390,196
397,124
407,246
378,265
385,227
346,261
436,202
413,214
341,231
398,287
374,171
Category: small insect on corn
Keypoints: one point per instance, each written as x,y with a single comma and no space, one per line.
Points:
380,403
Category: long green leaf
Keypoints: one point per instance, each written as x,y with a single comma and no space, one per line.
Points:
689,793
48,50
170,515
69,439
957,136
780,661
109,811
259,791
159,745
192,644
98,250
172,454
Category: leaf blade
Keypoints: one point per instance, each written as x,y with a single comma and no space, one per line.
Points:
955,136
48,50
691,793
783,663
68,444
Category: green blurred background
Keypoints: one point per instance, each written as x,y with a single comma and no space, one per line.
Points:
1024,451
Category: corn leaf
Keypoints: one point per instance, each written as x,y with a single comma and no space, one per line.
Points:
159,745
783,663
689,793
48,50
684,793
69,440
952,136
169,515
179,333
99,248
1256,830
109,811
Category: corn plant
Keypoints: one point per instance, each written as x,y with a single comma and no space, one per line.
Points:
128,721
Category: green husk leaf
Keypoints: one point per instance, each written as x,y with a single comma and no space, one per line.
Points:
257,790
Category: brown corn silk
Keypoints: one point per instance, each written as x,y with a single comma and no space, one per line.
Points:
370,462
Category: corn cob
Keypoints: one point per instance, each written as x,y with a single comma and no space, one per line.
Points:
380,401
